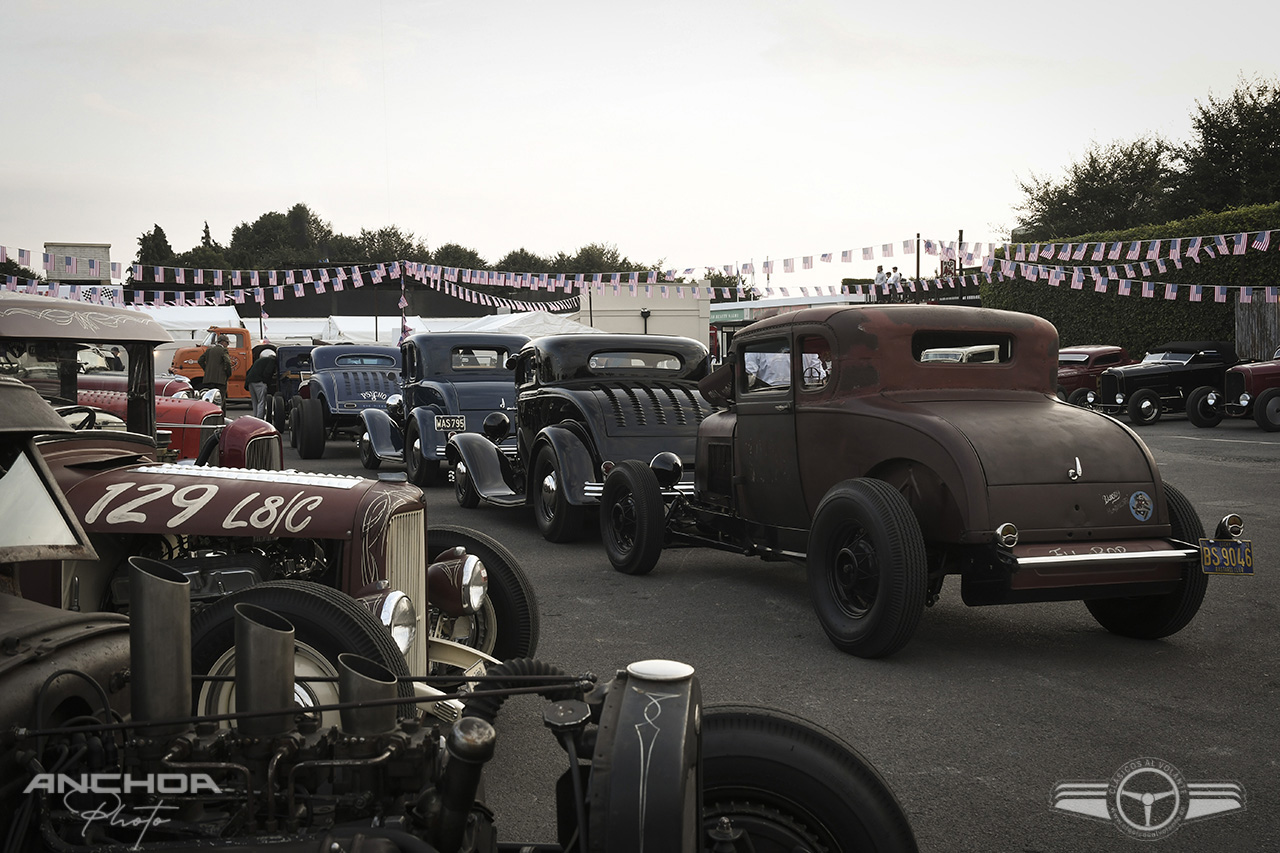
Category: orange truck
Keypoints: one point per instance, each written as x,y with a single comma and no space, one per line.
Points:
186,361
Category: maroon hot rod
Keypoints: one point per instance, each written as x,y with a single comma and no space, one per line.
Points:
1251,389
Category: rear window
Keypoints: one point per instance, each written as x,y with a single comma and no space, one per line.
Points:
477,358
358,360
623,361
962,348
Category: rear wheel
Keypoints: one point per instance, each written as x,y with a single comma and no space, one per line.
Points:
310,428
559,520
510,628
279,412
295,403
1151,617
631,518
1266,410
1144,407
326,623
422,472
790,785
867,568
1202,412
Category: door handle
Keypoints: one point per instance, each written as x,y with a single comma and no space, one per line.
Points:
782,407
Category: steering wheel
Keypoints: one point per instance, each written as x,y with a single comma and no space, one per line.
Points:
90,415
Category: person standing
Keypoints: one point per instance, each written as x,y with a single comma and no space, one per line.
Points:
216,364
258,380
881,287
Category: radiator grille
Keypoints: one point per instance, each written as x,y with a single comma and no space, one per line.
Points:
407,572
1234,385
264,453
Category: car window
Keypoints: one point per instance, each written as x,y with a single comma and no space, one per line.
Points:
364,360
1109,358
475,358
962,347
624,360
815,361
1175,357
766,365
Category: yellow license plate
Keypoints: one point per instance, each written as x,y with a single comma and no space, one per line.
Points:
1226,556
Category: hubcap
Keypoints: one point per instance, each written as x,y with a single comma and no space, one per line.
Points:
622,523
855,576
548,494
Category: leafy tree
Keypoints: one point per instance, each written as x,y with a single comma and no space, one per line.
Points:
1234,157
454,255
392,244
11,267
206,239
522,260
154,248
1112,187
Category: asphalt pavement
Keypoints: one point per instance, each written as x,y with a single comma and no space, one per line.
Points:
982,715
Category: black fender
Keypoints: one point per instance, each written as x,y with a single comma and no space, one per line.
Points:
425,417
487,466
385,435
573,461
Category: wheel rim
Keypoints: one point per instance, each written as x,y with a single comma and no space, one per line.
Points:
476,630
1272,410
219,697
771,829
855,573
623,522
548,493
461,484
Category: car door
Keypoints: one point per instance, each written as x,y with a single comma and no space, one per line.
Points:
765,469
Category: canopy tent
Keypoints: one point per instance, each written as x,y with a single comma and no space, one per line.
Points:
368,330
281,330
534,324
189,322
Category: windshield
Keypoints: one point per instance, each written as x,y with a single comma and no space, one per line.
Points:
1171,357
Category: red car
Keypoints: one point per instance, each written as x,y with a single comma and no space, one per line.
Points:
1079,368
1248,389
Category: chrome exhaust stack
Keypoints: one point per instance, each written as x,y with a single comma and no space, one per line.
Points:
364,680
160,644
264,670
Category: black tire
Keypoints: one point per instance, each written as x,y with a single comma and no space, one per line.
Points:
1151,617
558,520
1080,397
279,413
632,518
463,489
310,415
792,785
209,447
1266,410
515,608
1144,407
421,472
326,622
295,404
1061,393
1199,412
368,458
867,568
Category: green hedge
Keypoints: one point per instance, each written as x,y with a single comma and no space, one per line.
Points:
1137,323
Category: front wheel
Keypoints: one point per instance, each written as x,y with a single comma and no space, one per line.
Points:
509,628
295,406
1151,617
631,518
464,490
791,785
310,428
368,458
867,568
326,623
1202,412
278,412
559,520
1144,407
1080,397
421,472
1266,410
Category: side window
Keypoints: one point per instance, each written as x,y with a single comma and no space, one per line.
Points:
1107,360
767,365
815,361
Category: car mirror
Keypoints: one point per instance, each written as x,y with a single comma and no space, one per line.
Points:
512,361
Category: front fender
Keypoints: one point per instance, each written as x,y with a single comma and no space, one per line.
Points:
573,461
385,436
430,440
487,467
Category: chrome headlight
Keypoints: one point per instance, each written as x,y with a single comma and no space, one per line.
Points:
212,395
1211,398
475,583
1245,398
1120,398
401,618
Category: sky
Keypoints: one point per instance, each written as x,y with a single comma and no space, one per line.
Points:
687,134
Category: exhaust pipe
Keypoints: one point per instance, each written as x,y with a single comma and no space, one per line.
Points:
264,670
364,680
159,644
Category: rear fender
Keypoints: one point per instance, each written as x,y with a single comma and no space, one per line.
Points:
385,436
573,461
488,468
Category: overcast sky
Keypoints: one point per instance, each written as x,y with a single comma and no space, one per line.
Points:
690,133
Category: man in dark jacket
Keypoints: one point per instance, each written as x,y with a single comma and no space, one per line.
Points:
258,380
216,364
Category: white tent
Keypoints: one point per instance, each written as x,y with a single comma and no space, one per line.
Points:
532,323
367,330
189,322
292,329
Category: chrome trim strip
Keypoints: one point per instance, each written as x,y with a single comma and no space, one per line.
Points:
595,490
1063,560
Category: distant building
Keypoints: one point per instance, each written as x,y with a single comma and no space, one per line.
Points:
78,270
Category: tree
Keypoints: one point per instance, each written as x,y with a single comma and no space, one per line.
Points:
154,248
392,244
522,260
1234,157
206,239
454,255
11,267
1115,186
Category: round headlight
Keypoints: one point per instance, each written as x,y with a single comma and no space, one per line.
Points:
395,406
475,583
1119,398
1245,398
401,619
212,395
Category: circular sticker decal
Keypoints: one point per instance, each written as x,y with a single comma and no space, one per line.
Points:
1141,505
